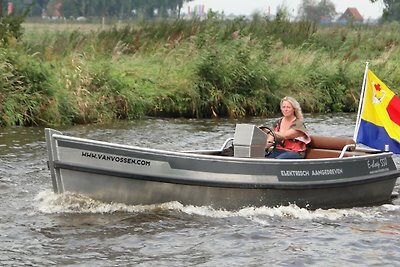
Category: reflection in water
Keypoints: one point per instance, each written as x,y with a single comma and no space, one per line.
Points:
154,131
16,139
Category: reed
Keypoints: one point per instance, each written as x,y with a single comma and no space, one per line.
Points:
197,68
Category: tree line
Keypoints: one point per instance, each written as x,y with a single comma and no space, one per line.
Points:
123,9
313,10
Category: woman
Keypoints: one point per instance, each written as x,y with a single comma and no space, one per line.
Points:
290,131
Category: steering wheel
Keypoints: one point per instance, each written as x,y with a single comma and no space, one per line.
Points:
269,132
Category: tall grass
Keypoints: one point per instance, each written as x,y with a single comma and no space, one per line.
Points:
25,89
196,68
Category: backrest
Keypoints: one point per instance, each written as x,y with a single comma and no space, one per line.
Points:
325,142
329,147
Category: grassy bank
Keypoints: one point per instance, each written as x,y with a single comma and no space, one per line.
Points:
88,73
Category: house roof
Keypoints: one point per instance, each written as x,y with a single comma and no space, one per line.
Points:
352,13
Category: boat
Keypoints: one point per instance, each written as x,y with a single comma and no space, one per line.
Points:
336,173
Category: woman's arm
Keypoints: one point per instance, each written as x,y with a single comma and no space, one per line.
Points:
289,134
297,129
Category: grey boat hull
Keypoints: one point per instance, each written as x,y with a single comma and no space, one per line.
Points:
133,175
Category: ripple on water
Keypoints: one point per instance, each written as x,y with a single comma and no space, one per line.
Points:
41,228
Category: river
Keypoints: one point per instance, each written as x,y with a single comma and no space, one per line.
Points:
40,228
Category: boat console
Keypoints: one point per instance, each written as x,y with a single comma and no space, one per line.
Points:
249,141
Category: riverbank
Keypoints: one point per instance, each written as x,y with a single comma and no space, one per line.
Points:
201,69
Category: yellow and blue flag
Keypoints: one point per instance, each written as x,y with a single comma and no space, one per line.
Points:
380,116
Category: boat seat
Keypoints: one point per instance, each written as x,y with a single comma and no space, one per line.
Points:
318,153
327,142
329,147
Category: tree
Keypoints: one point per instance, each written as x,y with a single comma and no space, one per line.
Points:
391,11
121,8
282,13
10,26
312,11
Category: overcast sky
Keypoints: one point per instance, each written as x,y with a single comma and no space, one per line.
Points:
246,7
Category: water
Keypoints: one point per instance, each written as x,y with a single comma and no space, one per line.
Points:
40,228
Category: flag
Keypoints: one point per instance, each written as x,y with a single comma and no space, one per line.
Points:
380,116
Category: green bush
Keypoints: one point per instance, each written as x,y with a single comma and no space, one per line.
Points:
196,68
25,89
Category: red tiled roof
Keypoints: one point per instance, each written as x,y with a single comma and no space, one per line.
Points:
354,13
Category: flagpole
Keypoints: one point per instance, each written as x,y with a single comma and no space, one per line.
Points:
360,104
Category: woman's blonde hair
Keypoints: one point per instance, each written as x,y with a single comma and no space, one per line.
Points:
296,106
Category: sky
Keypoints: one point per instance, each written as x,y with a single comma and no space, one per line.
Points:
246,7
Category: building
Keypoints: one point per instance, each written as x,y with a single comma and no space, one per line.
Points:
325,20
351,15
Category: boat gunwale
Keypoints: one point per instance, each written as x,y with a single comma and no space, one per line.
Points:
200,155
